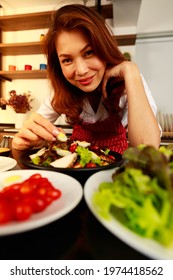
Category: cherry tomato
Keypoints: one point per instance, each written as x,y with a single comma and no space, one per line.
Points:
40,191
22,211
90,165
39,204
12,188
5,211
112,157
48,200
73,147
94,148
35,176
12,192
43,189
19,201
26,188
54,194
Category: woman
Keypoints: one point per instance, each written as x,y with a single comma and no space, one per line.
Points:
94,86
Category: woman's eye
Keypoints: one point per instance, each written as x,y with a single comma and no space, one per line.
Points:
66,61
88,53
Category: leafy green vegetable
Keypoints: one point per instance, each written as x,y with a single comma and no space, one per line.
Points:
85,155
47,161
106,152
152,162
36,160
39,161
140,195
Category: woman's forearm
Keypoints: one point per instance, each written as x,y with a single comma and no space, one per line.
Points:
143,127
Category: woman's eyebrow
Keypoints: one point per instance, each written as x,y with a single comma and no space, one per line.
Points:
82,50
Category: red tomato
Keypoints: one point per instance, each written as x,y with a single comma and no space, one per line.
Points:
54,194
12,188
90,165
39,204
73,147
48,200
94,148
41,191
19,201
12,192
26,188
112,157
28,200
35,176
22,211
5,211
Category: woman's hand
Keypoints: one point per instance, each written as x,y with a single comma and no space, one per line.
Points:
34,132
120,72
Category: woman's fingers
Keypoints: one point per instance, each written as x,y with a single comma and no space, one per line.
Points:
37,126
111,73
35,130
106,77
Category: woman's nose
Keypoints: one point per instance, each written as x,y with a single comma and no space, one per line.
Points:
81,67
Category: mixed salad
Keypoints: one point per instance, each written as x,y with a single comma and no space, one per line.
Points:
141,193
65,153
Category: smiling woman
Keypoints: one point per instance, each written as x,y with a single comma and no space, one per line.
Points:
102,94
76,60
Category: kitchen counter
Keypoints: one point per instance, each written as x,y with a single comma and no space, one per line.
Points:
11,128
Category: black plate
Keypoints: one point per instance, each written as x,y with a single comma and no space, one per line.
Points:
81,174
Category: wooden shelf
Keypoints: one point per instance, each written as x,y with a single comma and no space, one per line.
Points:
167,134
21,48
39,20
25,21
36,47
106,11
126,40
23,74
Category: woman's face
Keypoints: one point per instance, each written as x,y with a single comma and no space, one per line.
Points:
80,66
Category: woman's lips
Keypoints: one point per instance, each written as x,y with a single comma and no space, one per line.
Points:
86,81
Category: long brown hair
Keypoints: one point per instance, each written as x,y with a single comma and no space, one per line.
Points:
67,99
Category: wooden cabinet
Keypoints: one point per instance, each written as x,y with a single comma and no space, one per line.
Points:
22,22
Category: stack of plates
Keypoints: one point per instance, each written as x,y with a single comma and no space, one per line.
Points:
166,123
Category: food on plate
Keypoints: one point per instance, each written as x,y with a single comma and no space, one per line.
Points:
61,137
72,154
11,180
20,200
140,195
65,161
4,151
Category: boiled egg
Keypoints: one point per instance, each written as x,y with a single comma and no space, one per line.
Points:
83,144
62,152
38,154
62,137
